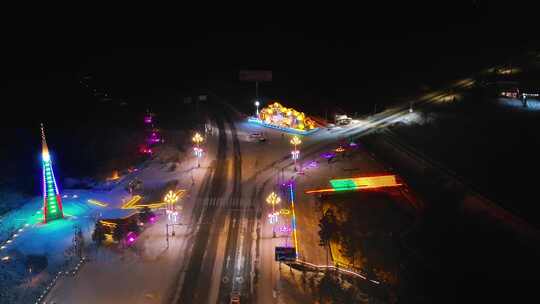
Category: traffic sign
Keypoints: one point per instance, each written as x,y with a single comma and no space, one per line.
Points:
285,254
256,75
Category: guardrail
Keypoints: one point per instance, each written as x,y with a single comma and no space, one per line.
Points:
336,268
53,282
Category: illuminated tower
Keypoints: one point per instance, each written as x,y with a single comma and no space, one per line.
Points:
52,203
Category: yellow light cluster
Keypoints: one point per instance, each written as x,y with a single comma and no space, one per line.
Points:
277,114
132,203
129,204
376,181
108,238
97,203
114,176
108,224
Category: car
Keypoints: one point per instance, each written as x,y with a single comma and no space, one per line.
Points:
235,298
257,136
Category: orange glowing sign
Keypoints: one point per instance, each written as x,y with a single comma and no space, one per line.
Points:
115,176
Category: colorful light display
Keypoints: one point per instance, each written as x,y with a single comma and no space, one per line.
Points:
52,201
277,114
154,137
97,203
133,203
287,119
360,183
273,218
365,182
339,149
295,154
328,155
131,237
293,220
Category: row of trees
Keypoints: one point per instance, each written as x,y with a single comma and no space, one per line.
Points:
355,240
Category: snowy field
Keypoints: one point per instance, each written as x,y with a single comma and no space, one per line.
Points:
533,105
23,234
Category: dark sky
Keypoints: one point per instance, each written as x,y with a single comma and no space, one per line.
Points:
326,52
347,57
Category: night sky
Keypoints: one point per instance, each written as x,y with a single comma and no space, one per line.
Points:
322,57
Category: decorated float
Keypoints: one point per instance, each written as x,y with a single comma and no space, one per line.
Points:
276,116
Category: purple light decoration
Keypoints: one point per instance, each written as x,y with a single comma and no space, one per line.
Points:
131,237
285,229
313,164
328,155
148,119
153,219
290,183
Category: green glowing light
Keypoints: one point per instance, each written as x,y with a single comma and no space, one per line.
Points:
343,184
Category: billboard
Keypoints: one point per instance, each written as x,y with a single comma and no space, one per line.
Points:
284,254
255,75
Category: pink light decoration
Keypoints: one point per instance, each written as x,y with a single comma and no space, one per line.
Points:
131,237
285,229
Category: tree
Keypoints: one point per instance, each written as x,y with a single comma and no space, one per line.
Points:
328,229
351,245
98,236
330,290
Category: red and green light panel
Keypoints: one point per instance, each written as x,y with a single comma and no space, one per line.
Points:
359,183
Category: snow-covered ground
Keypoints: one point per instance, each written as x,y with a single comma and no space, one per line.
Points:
25,234
516,104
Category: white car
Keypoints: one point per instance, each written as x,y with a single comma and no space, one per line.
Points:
257,136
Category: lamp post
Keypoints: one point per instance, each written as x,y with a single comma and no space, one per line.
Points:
257,104
273,200
170,198
197,139
295,141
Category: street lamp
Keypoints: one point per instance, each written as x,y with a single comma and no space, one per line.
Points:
197,139
257,104
295,141
170,198
273,200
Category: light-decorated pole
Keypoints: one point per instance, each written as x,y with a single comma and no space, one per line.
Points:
257,104
170,199
273,199
198,139
295,141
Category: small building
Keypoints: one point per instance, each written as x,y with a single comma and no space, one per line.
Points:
111,224
342,120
